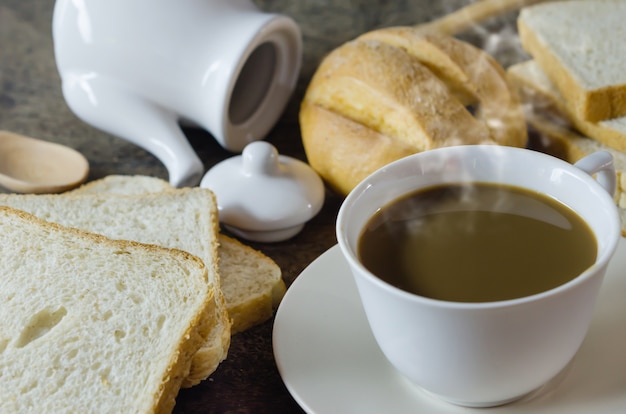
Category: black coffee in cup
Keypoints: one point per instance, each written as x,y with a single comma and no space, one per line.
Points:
476,243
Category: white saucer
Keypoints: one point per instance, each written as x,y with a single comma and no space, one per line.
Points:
330,362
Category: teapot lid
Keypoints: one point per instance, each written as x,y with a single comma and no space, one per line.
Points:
263,196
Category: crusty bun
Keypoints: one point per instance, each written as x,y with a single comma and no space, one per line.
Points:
395,92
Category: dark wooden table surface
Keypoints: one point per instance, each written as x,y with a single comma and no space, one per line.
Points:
31,103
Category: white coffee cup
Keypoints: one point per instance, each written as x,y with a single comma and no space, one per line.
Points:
491,353
136,69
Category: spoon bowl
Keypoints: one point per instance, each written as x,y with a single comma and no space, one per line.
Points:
29,165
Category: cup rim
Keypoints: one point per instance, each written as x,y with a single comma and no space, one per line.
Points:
601,261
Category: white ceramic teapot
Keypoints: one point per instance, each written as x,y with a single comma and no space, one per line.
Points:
139,68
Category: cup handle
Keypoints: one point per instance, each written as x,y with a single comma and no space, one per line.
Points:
600,163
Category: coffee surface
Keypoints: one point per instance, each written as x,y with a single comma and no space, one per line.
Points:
477,243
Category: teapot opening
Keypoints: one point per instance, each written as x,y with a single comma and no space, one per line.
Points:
252,85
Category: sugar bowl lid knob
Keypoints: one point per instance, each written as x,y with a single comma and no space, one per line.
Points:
263,196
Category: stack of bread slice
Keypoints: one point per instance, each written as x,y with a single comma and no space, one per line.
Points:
574,87
91,324
251,282
242,286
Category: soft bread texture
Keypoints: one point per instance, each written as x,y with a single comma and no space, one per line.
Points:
251,282
185,220
95,325
579,45
396,91
123,185
561,136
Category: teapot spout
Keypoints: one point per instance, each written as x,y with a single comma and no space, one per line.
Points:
109,106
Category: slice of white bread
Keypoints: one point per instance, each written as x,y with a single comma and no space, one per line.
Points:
547,115
251,282
186,220
579,45
94,325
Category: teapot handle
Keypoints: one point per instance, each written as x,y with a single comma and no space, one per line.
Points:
600,163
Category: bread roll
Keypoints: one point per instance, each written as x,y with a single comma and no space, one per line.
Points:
394,92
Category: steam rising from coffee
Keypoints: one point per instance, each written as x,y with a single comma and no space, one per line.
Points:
465,198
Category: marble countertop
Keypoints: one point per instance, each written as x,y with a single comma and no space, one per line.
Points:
31,103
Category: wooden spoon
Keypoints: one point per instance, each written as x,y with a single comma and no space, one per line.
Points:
29,165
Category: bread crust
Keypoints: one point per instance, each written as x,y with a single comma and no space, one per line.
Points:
397,91
472,76
344,151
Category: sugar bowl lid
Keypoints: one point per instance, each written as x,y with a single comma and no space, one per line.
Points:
263,196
